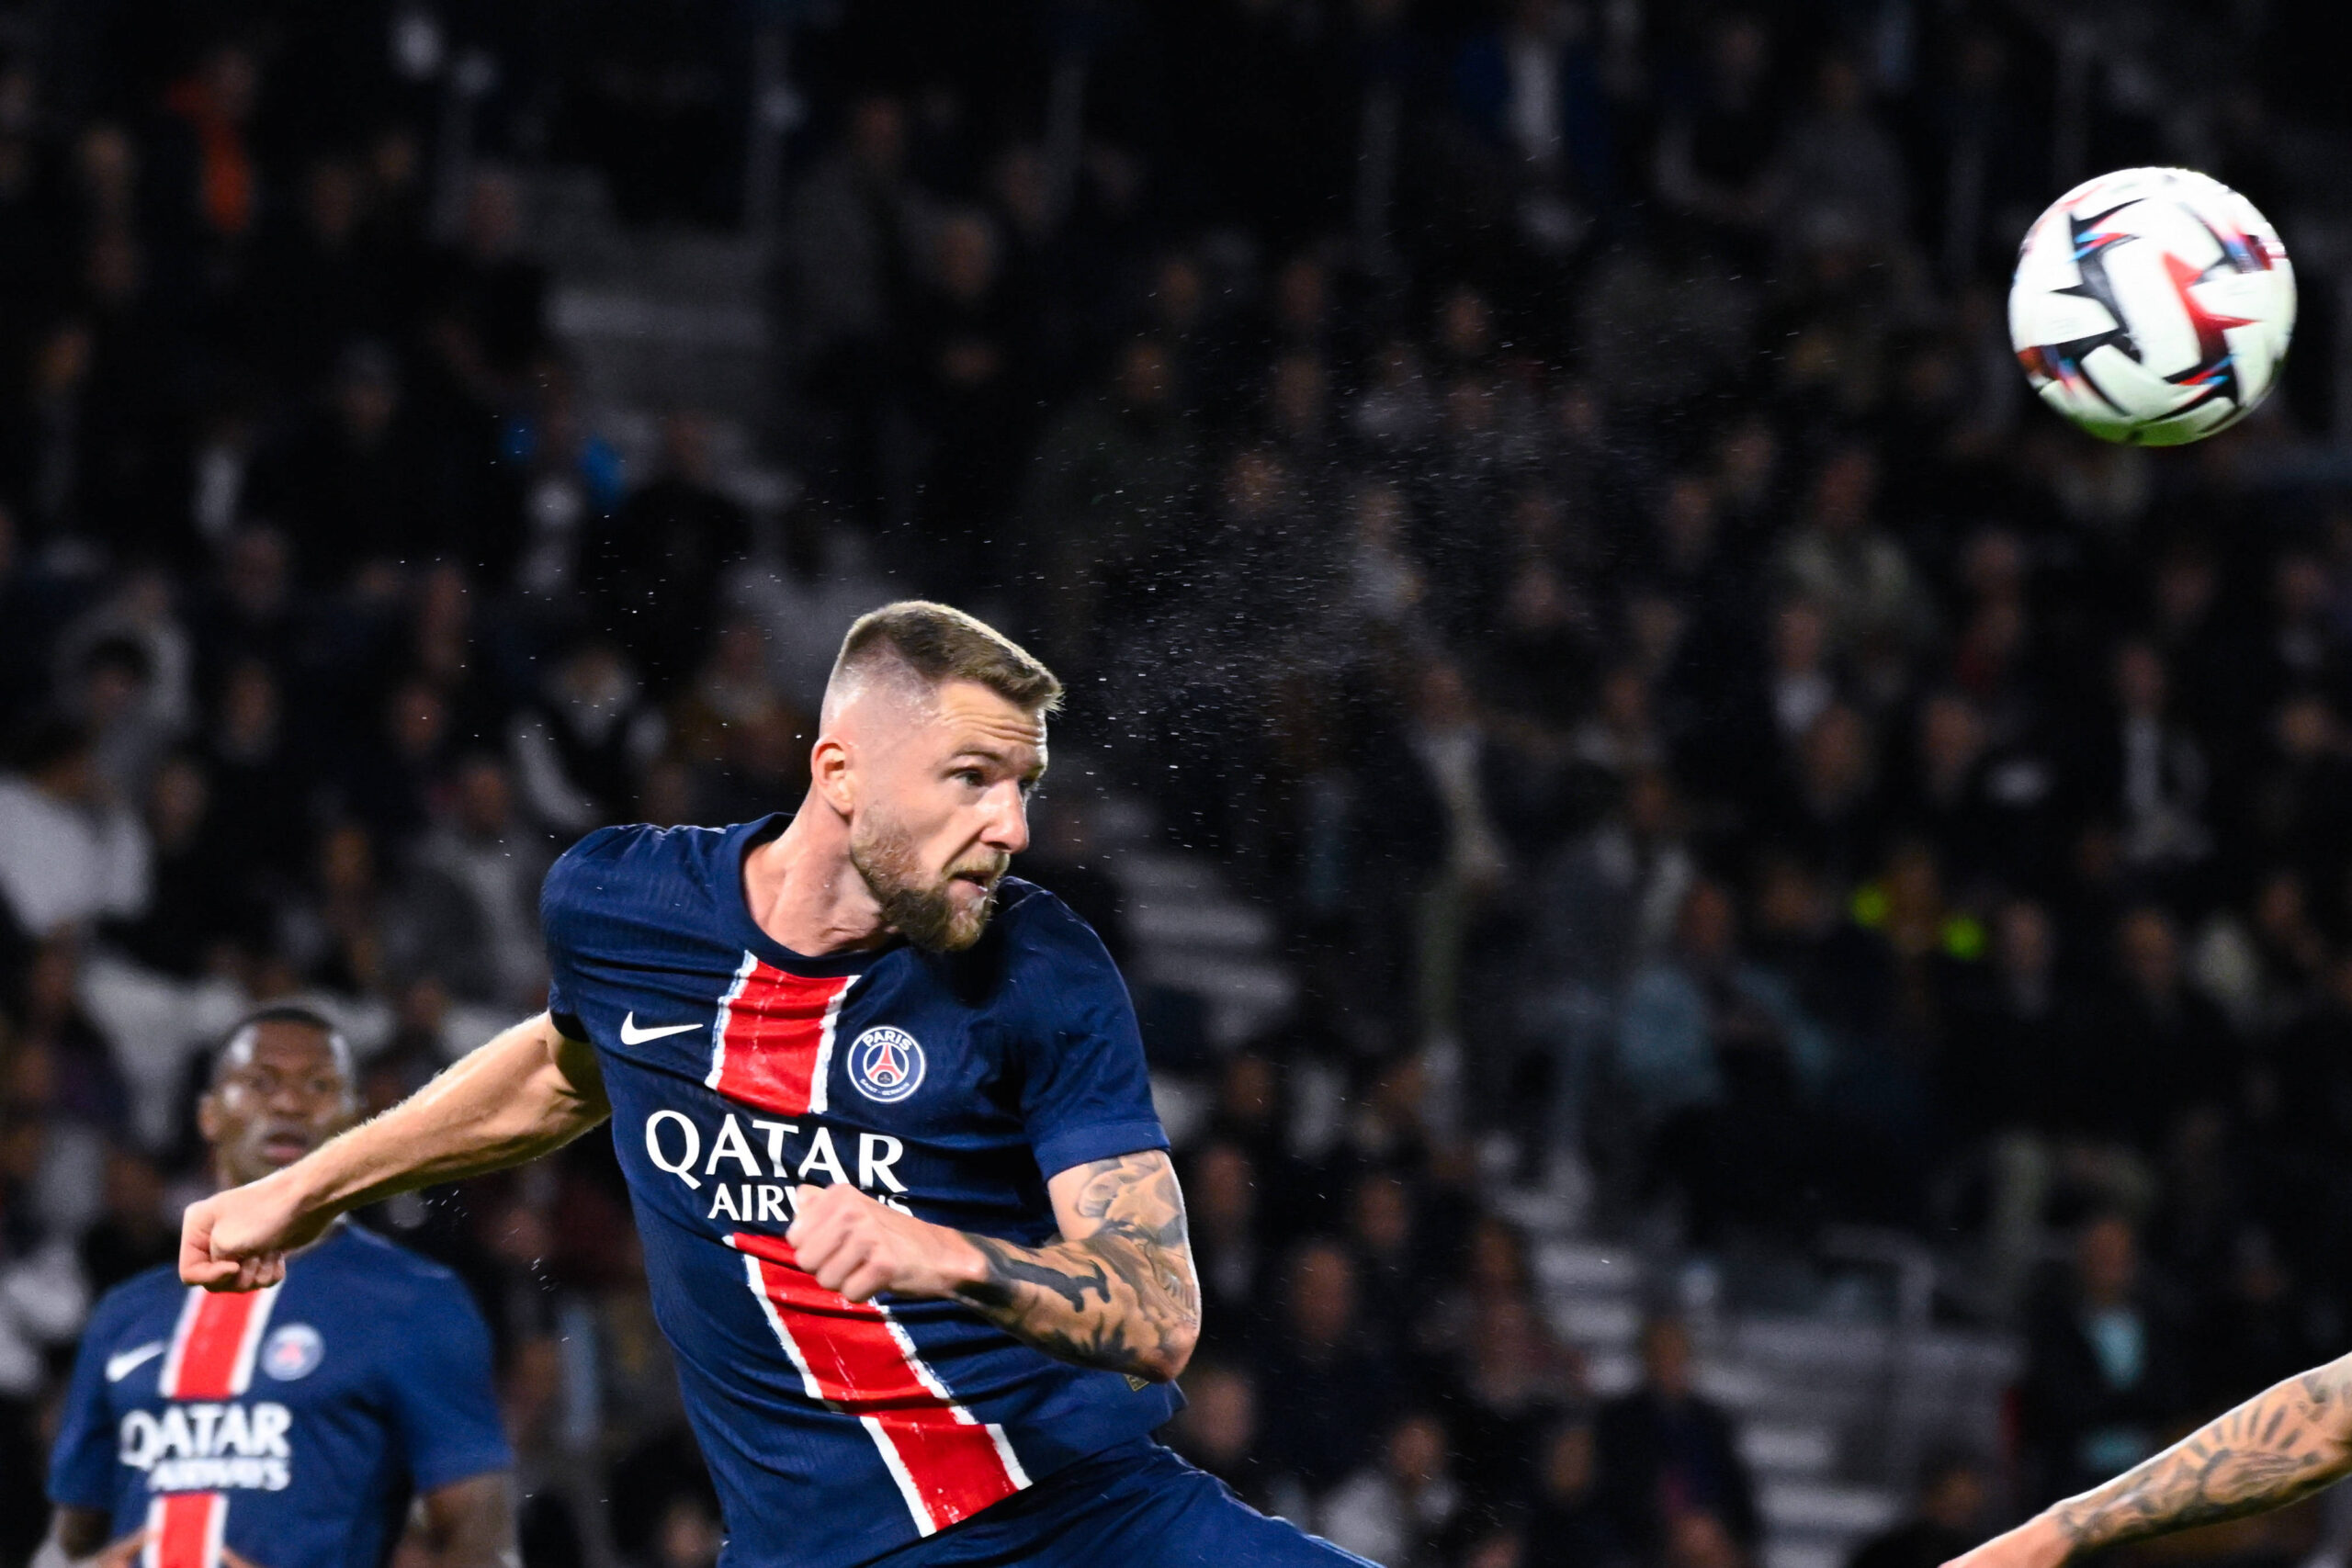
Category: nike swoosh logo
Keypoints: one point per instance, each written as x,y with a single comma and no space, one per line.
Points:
632,1035
122,1364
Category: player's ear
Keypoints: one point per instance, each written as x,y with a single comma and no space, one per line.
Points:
828,773
208,1116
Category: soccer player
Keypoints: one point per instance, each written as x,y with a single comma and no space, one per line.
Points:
908,1214
290,1427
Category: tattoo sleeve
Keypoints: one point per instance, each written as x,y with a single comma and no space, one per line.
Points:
1117,1289
2279,1446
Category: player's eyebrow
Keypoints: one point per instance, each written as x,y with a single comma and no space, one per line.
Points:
1002,760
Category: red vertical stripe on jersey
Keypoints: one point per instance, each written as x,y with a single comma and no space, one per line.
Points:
852,1356
776,1038
211,1353
184,1530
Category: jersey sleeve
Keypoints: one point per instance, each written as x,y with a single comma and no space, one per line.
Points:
1085,1093
82,1460
444,1402
560,896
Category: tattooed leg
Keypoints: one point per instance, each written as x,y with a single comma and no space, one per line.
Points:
1118,1289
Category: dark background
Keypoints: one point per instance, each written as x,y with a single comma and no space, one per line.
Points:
1561,581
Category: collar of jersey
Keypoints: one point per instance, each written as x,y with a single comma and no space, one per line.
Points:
740,841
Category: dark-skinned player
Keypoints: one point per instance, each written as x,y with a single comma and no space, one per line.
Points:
292,1427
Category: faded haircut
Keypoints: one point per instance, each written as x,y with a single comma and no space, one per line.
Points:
238,1043
934,644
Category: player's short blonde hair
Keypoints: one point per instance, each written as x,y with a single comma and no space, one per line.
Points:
938,643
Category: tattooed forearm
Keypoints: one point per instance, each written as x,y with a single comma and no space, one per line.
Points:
1117,1290
1010,1266
2279,1446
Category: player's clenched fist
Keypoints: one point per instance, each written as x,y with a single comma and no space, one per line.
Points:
861,1248
238,1240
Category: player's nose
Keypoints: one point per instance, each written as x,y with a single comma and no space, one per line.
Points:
1008,825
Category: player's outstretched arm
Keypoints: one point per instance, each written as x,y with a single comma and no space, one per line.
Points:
2283,1444
525,1092
1115,1289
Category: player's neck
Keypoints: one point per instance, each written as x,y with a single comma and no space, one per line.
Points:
804,893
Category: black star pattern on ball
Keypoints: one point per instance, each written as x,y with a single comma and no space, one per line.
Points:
2091,245
2063,361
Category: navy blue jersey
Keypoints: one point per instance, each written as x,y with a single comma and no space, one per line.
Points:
948,1085
293,1424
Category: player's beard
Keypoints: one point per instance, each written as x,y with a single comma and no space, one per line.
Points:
921,906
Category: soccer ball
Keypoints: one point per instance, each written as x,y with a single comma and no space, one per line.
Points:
2152,306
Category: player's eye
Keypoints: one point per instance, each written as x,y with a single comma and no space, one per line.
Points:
969,776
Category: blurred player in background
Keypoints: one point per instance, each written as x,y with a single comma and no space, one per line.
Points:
908,1213
288,1428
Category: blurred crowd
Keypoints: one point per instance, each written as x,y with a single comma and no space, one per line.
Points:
1538,491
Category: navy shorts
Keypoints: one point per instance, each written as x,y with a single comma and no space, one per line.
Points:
1136,1505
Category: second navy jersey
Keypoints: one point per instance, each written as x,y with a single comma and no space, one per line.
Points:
950,1086
289,1425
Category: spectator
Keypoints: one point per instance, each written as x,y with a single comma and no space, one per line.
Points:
2258,1331
1323,1395
1392,1257
128,680
1840,562
1701,1026
132,1232
846,277
1533,89
2148,771
1995,1082
2163,1047
577,752
1570,1526
1947,1518
1700,1539
486,298
1218,1430
353,485
972,397
1222,1195
489,866
341,938
2104,1376
198,898
259,786
656,568
69,854
1717,147
1829,808
1104,493
389,778
1462,769
1397,1511
1802,687
1838,166
1514,1381
1667,1455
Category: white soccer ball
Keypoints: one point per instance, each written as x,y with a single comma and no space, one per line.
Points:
2152,306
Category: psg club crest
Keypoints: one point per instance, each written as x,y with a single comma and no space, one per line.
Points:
294,1351
886,1064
